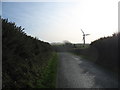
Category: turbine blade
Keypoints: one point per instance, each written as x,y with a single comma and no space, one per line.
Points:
82,31
87,34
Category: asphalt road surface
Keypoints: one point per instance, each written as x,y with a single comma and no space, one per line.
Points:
75,72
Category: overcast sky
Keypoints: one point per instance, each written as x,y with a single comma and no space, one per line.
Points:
59,21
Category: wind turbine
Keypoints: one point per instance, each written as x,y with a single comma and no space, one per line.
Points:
84,37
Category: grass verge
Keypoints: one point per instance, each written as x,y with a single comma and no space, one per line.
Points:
49,73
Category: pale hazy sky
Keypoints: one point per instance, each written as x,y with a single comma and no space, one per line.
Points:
62,20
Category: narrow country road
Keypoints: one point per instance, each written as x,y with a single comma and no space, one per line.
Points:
74,72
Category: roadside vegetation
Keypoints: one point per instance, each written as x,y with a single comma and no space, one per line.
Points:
27,62
49,73
103,52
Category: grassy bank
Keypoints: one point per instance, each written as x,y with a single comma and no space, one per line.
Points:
48,77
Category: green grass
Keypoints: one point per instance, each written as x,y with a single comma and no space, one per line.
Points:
49,73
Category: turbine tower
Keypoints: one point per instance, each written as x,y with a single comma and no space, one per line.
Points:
84,37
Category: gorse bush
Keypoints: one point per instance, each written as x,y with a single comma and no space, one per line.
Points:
23,57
